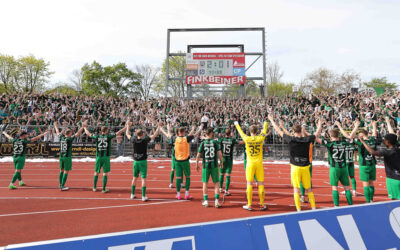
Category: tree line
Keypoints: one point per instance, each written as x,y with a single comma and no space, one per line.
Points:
31,74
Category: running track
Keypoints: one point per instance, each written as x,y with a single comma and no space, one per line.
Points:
40,211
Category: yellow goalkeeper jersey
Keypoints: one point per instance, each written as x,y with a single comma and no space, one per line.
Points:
254,144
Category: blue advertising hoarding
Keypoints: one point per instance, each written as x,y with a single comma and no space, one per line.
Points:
372,226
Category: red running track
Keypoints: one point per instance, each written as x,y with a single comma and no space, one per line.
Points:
40,211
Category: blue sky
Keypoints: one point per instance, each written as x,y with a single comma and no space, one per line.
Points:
361,35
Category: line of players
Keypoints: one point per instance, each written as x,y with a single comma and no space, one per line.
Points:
340,153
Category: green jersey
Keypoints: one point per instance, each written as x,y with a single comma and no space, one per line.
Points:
66,146
350,148
208,149
365,158
226,145
20,147
103,144
336,152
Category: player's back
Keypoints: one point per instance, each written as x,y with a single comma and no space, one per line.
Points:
254,148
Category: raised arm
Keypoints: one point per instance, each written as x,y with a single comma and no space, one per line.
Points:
389,125
56,128
318,132
344,133
87,132
282,127
128,130
38,137
354,132
7,135
121,131
192,131
165,133
157,131
80,131
199,130
276,127
240,131
374,129
265,128
368,148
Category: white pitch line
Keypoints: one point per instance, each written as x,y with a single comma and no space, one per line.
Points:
89,208
76,198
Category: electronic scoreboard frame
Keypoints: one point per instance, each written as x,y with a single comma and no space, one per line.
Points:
215,68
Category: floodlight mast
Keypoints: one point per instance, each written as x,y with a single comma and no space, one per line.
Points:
260,54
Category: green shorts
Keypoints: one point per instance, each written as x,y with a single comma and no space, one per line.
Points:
173,163
103,161
66,163
339,174
350,167
182,167
207,172
367,173
19,162
393,188
227,167
140,167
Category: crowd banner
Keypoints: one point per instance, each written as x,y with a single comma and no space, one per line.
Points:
44,149
368,226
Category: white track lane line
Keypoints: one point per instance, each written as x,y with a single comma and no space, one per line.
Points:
89,208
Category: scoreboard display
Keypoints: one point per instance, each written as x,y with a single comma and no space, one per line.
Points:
215,68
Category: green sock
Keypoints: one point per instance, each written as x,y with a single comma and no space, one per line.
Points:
354,183
171,177
133,190
255,178
221,180
228,182
302,190
371,192
143,191
105,177
15,177
367,194
19,177
60,177
64,179
216,196
205,197
349,197
187,184
96,177
335,195
178,184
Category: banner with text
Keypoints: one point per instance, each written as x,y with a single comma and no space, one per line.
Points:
370,226
50,149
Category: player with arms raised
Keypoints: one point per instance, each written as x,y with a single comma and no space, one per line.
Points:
103,153
66,139
254,150
140,143
20,147
299,150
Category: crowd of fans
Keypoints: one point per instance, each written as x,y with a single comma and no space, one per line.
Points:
36,113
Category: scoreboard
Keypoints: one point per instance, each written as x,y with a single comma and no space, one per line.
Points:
215,68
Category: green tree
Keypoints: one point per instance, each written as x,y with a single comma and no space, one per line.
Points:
115,80
323,81
33,73
279,89
380,83
176,88
63,89
251,87
8,73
